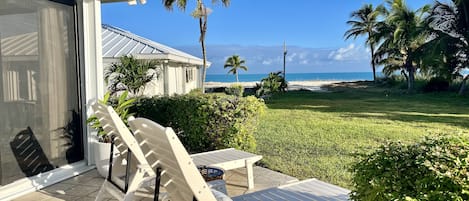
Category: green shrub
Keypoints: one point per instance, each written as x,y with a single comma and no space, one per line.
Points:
273,83
196,91
235,89
434,169
436,84
207,121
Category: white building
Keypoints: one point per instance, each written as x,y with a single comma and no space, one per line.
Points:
45,88
181,72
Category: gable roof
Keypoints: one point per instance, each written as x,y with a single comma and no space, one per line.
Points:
117,42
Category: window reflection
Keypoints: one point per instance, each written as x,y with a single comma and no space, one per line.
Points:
40,127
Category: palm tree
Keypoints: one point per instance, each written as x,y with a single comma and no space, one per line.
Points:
449,24
235,63
402,35
364,22
130,74
201,13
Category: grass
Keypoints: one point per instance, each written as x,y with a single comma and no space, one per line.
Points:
306,134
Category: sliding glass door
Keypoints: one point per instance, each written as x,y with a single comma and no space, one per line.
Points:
40,121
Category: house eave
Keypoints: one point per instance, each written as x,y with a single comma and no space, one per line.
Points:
173,58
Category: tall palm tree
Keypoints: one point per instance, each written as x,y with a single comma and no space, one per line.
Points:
235,63
364,22
403,34
201,13
449,24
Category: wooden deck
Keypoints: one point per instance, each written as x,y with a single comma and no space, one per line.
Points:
85,187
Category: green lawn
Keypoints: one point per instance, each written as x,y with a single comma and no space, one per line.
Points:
307,134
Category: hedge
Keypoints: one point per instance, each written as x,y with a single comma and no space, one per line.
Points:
433,169
206,122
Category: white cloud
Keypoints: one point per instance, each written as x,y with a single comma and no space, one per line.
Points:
264,59
267,62
304,62
349,53
290,57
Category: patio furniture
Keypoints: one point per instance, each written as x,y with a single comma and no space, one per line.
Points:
159,156
307,190
123,181
229,159
180,176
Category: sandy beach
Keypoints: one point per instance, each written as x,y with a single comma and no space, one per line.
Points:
292,85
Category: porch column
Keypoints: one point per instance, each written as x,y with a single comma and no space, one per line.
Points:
91,63
166,77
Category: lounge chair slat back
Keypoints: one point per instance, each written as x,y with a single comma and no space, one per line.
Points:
112,124
181,174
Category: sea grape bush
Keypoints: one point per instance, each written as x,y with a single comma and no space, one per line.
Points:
434,169
235,89
206,122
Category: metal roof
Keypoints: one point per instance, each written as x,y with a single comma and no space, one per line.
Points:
20,45
117,42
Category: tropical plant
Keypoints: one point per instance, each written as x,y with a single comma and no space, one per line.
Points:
433,169
121,105
130,74
235,89
273,83
401,36
365,22
235,63
206,122
449,22
201,13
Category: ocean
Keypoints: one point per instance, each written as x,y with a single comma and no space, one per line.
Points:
352,76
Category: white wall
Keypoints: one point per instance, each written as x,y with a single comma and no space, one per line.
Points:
177,83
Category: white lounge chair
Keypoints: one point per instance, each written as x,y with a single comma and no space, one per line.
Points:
183,182
161,148
123,181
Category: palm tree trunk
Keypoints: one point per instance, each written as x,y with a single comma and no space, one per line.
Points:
203,29
373,65
411,80
462,88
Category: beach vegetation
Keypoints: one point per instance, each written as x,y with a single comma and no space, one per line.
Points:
431,41
131,74
274,83
402,35
316,134
206,122
201,13
431,169
235,63
449,26
365,22
235,89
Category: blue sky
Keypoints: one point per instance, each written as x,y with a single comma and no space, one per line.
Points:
256,29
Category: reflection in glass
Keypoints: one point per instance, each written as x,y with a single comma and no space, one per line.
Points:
39,103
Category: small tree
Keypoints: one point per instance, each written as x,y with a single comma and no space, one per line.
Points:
235,63
130,74
273,83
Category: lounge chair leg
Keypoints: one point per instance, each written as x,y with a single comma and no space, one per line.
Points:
157,184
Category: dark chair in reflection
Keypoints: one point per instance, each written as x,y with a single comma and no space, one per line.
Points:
29,153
